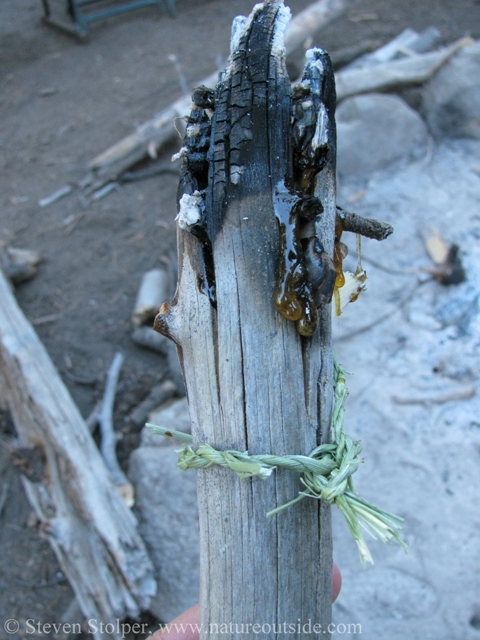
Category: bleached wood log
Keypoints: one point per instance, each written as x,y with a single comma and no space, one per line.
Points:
407,42
93,533
344,56
155,133
395,75
315,17
153,291
253,382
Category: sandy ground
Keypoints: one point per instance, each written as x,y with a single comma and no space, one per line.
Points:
413,348
61,104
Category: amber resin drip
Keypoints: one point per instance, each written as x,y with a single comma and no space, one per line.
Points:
293,295
340,252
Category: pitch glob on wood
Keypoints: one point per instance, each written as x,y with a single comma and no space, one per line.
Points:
305,272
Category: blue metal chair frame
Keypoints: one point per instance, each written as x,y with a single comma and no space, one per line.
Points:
81,19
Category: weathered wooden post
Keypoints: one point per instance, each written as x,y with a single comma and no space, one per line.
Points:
251,322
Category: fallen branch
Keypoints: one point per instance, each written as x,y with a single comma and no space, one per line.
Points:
52,317
91,530
448,395
317,16
109,439
406,43
157,396
92,420
395,75
54,197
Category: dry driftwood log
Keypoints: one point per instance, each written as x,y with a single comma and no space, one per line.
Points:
92,532
395,75
406,43
152,292
153,134
256,228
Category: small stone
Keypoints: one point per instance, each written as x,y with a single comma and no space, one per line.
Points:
47,91
166,508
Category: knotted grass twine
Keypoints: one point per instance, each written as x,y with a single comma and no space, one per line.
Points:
327,473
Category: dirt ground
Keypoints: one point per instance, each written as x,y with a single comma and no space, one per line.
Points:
61,104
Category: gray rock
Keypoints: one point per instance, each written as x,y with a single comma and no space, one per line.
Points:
451,100
173,416
166,507
374,131
146,337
